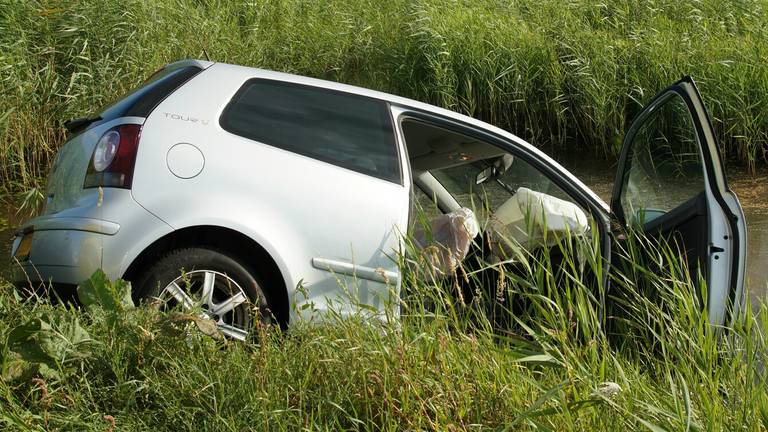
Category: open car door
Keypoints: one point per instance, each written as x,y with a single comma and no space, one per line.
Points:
671,184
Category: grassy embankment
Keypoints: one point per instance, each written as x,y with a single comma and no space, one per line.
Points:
567,76
454,363
563,75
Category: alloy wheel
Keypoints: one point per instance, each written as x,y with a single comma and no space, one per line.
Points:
216,295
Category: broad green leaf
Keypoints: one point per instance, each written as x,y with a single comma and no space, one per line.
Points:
40,347
99,291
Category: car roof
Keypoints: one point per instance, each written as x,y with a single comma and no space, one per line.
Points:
402,102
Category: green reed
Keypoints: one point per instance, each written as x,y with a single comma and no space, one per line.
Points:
567,76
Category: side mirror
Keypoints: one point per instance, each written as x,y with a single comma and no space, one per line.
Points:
485,175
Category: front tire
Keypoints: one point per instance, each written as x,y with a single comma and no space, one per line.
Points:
221,287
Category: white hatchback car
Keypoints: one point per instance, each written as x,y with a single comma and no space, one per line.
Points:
257,183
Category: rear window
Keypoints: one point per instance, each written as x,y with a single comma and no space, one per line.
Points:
145,98
346,130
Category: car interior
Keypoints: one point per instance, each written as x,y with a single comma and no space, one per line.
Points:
474,204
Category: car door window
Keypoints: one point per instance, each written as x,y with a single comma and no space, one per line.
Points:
664,166
461,182
347,130
521,208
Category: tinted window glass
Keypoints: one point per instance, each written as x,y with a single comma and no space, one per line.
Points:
350,131
144,99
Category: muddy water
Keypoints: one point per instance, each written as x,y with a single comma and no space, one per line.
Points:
753,195
8,221
6,237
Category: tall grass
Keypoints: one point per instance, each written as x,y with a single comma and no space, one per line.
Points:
527,345
565,75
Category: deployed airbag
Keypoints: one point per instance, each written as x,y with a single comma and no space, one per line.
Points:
531,219
445,242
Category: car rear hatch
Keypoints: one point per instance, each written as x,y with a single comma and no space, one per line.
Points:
66,183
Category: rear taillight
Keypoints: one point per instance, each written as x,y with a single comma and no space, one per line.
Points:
114,157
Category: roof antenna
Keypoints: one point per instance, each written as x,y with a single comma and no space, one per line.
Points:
205,53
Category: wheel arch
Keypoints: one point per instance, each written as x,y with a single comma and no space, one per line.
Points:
227,240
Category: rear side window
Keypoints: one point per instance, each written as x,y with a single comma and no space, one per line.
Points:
145,98
346,130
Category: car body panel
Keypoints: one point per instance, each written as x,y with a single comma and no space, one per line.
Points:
335,206
738,299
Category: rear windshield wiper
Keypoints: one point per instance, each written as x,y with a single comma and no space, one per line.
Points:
78,124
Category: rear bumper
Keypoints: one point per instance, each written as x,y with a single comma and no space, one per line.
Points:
68,246
60,256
